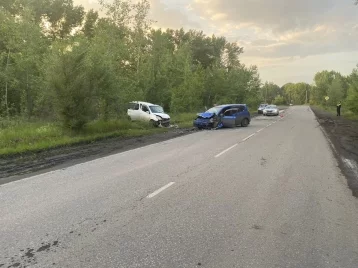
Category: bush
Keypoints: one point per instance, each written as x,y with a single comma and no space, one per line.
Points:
279,100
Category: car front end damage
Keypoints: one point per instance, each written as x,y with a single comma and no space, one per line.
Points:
162,119
164,122
207,121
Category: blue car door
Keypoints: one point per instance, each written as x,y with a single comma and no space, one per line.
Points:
229,118
240,115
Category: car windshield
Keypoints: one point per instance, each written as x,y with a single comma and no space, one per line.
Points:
156,109
214,110
271,107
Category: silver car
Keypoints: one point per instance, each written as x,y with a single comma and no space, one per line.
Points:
261,108
271,110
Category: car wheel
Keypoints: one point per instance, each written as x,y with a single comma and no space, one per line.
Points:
245,122
154,123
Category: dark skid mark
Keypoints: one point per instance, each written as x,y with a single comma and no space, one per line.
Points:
257,227
43,248
17,264
29,253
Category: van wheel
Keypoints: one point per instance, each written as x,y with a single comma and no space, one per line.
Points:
245,122
153,123
129,118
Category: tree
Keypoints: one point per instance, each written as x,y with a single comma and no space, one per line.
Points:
269,91
90,23
352,98
59,62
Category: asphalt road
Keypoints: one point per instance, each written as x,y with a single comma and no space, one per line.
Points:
211,199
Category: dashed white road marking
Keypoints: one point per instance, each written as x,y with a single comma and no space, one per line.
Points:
259,130
160,190
249,137
225,151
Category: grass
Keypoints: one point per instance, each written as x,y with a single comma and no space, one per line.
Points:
19,137
344,112
183,120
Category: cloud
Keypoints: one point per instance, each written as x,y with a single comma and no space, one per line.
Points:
275,34
276,15
164,15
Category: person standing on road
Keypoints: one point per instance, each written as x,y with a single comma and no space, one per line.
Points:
339,105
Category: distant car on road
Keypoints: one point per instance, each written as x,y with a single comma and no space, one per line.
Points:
145,111
261,108
271,110
228,115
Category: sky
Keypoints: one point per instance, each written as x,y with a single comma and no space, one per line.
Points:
289,40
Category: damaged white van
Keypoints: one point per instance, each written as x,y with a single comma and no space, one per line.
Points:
145,111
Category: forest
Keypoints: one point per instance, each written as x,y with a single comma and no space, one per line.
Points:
69,69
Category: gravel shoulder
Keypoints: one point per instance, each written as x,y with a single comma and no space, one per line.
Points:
343,135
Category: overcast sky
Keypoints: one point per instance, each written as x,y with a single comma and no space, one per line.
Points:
289,40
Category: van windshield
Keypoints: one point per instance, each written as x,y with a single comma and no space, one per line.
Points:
156,109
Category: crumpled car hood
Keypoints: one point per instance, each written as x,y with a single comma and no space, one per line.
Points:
206,115
164,116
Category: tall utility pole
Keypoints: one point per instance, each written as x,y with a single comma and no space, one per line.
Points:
6,86
306,94
266,96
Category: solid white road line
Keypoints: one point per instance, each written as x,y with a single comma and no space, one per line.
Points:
259,130
249,137
225,151
160,190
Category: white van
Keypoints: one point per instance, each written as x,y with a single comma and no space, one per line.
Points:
145,111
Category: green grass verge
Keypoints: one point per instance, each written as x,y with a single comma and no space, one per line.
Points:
19,137
184,120
344,112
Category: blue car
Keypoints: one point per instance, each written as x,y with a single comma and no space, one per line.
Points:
228,115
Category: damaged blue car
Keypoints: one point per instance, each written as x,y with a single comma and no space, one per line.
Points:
228,115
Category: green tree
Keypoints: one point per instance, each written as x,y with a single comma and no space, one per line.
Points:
269,91
352,97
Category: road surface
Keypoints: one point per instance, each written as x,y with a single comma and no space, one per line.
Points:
270,195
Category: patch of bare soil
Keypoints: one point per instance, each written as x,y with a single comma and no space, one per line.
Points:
343,133
20,166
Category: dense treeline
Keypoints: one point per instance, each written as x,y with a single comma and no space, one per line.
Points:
337,88
59,62
327,89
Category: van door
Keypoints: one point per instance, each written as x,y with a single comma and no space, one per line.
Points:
145,113
133,111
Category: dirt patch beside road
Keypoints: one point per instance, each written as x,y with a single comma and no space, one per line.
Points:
20,166
343,133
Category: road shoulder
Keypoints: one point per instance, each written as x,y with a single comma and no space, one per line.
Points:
342,134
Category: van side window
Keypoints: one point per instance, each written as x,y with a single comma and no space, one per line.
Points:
136,107
145,108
